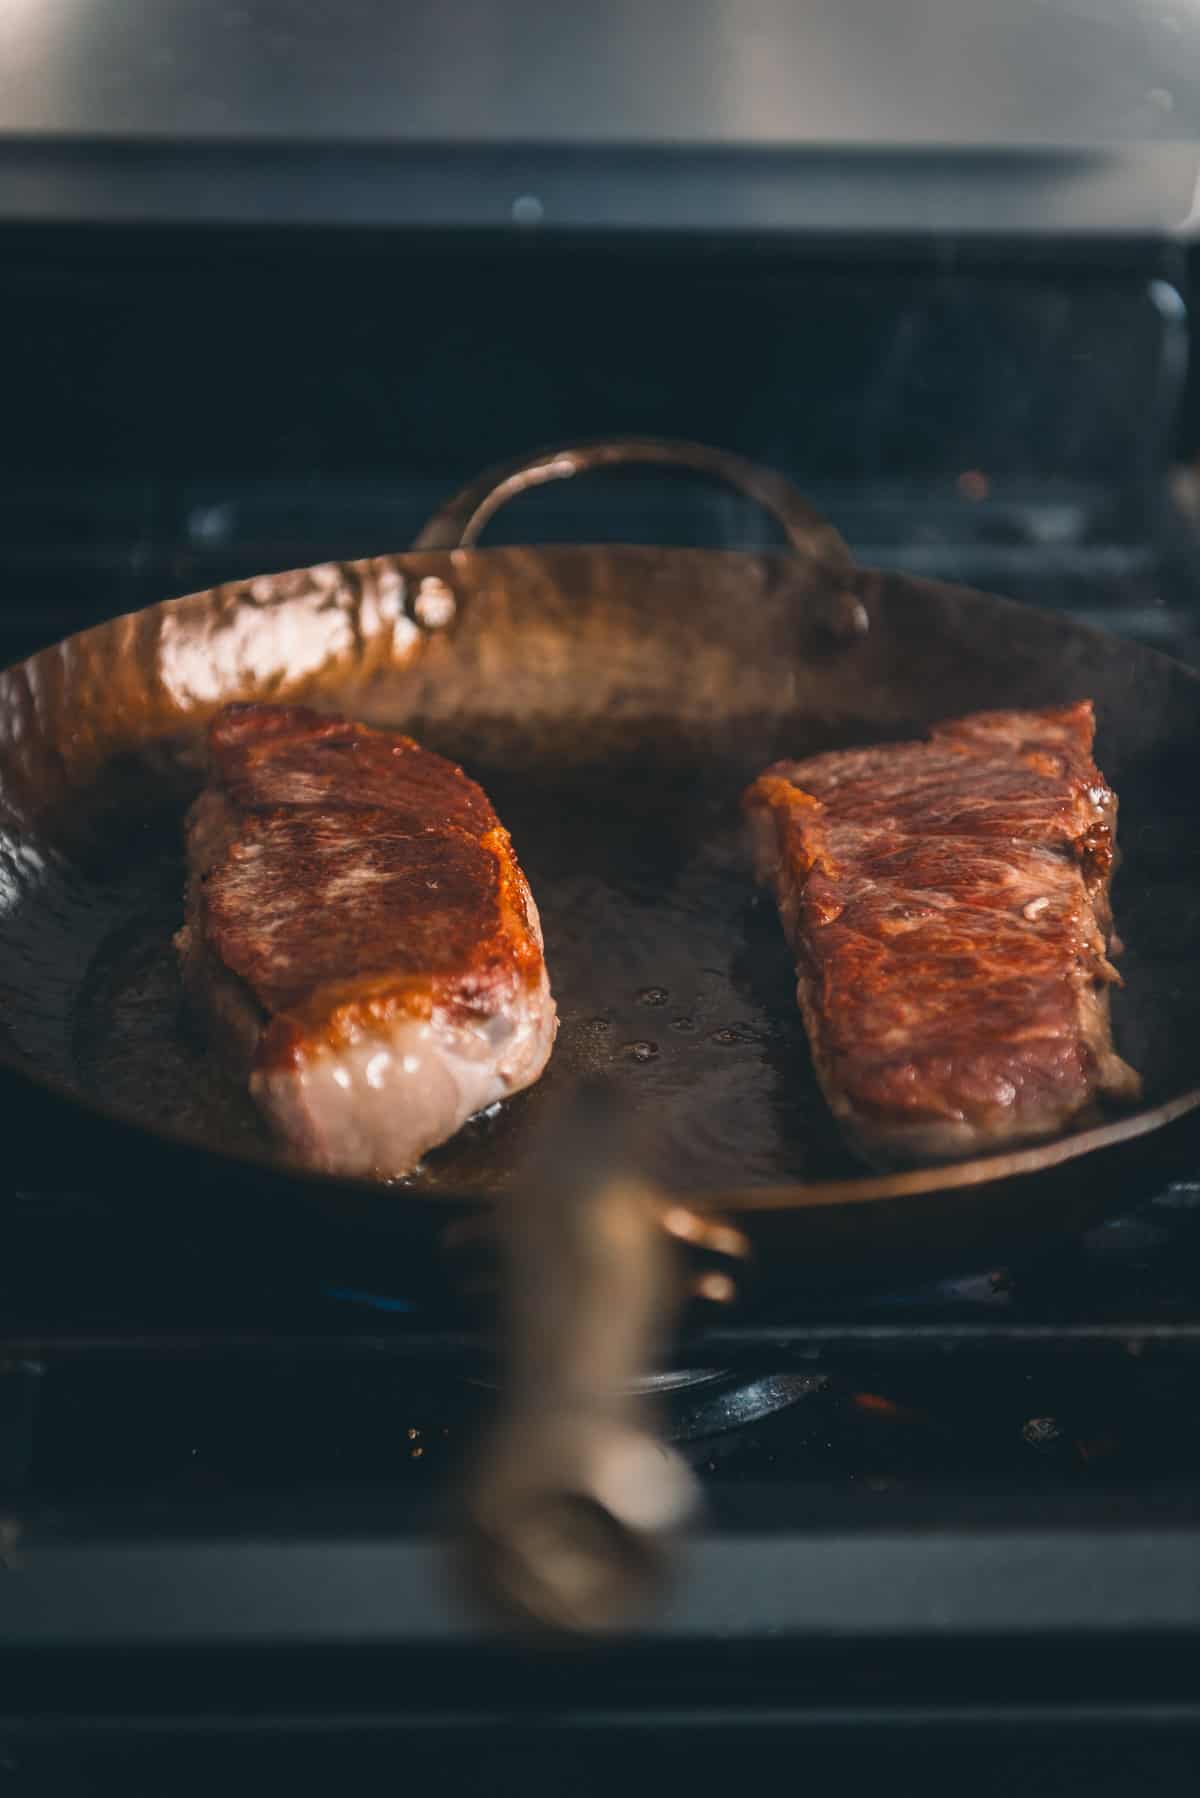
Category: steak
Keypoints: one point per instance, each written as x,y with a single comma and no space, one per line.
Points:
947,904
359,938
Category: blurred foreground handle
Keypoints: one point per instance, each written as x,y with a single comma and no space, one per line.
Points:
574,1498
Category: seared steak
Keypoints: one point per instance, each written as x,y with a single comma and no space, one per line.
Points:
947,905
359,938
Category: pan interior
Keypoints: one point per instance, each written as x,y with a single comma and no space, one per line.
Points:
670,972
613,703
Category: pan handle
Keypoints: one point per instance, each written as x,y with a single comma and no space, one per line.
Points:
459,523
574,1496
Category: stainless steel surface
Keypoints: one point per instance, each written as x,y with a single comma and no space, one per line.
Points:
969,1575
709,113
1131,190
719,72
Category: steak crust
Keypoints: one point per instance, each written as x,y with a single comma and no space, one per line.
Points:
947,903
359,938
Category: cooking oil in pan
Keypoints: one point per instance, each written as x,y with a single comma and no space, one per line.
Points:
670,974
648,911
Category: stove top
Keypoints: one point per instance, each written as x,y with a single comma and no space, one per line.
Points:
972,1505
142,1367
964,1514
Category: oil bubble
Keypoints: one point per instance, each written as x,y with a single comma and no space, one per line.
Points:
641,1051
653,995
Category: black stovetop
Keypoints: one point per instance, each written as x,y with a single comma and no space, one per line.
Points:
227,1490
153,1360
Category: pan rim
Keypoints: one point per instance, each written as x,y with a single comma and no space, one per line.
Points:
869,1188
909,1183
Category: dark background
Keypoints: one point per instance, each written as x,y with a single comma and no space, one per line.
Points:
185,407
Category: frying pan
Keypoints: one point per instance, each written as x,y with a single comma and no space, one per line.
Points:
613,702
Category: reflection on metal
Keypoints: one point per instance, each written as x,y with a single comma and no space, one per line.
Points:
711,1413
717,73
434,605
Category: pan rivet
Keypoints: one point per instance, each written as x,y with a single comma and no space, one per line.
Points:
847,619
434,605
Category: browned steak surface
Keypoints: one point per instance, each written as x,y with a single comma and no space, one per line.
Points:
947,904
360,937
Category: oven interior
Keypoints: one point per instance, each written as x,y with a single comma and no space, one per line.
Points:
183,409
188,408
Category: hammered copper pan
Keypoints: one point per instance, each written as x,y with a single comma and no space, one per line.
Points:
613,701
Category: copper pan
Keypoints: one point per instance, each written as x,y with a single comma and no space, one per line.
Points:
613,701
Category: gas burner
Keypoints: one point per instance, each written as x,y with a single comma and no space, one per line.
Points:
712,1405
698,1402
698,1405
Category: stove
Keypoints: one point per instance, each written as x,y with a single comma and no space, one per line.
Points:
948,1533
227,1514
